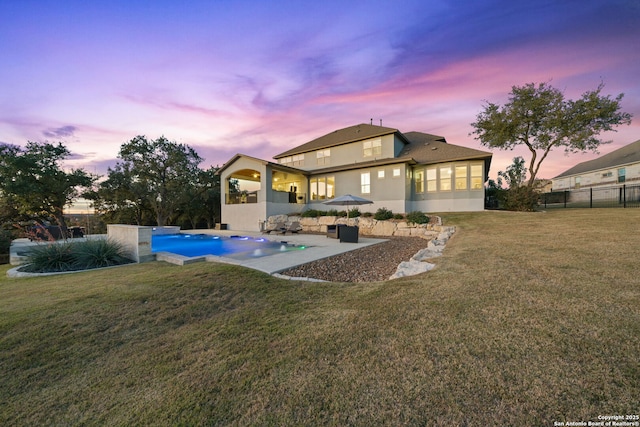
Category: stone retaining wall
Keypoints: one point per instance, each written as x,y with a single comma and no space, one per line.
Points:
368,226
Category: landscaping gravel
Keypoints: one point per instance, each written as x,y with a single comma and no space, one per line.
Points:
369,264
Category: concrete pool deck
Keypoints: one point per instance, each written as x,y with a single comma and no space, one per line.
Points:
318,246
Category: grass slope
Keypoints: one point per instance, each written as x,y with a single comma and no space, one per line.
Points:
528,319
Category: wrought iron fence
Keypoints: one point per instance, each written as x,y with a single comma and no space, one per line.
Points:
625,196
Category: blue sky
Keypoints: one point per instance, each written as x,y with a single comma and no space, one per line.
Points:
260,77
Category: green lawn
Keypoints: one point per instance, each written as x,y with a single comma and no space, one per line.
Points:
529,318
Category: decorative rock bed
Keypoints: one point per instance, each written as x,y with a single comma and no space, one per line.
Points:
378,262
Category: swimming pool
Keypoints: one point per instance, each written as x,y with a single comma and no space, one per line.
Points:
236,247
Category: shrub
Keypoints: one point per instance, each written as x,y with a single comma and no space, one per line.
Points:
523,198
398,216
417,217
58,257
383,214
50,258
354,213
332,212
99,253
311,213
367,214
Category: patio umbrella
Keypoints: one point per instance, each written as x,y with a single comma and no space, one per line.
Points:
348,200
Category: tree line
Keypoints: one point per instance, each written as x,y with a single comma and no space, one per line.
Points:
154,182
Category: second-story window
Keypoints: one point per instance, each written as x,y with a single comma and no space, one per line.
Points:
372,148
622,175
297,160
323,156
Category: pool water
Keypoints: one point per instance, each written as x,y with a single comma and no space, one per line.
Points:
237,247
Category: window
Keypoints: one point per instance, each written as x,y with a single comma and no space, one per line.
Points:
476,177
365,183
297,160
432,179
372,147
577,182
381,173
323,156
419,181
445,178
331,187
607,174
396,172
622,172
323,188
461,177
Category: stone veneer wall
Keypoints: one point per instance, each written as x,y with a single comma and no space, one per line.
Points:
135,239
367,226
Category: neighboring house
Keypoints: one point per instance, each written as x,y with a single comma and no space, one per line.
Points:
618,168
402,172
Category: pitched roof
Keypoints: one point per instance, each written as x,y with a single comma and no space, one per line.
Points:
622,156
425,148
339,137
261,161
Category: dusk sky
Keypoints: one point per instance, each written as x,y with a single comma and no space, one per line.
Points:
260,77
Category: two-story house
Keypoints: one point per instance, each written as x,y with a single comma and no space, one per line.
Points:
402,172
615,169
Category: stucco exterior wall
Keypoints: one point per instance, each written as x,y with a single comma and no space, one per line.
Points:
347,154
472,203
245,217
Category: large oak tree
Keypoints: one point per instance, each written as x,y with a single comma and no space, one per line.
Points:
34,182
540,118
165,169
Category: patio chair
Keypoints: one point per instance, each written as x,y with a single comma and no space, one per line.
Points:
278,226
294,227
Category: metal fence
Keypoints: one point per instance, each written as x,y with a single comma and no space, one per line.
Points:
625,196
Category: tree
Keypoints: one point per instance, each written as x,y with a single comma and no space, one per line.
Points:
164,169
33,179
122,198
515,175
540,118
203,199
